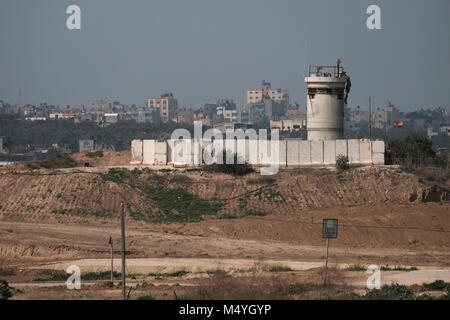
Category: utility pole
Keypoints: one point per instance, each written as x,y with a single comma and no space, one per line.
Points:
370,118
112,258
326,265
124,291
385,124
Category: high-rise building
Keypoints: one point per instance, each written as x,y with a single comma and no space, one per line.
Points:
167,105
278,95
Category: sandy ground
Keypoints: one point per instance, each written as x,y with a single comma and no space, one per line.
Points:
386,217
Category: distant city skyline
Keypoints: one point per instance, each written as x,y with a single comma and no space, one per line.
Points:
202,51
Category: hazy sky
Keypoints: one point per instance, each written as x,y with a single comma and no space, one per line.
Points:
203,50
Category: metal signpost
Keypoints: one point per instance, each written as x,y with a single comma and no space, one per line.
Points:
112,258
329,231
124,294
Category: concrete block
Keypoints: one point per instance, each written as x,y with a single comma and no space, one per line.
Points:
378,158
251,149
160,147
197,154
329,151
341,148
170,151
317,152
161,159
282,152
365,152
293,152
212,150
241,150
136,152
378,146
230,148
353,150
149,152
182,155
265,152
305,152
161,152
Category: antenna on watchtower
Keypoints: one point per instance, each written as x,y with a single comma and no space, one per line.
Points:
338,63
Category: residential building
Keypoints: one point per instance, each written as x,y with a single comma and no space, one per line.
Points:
151,116
226,109
385,117
296,114
209,110
167,105
111,117
224,127
278,95
86,145
287,124
185,116
265,110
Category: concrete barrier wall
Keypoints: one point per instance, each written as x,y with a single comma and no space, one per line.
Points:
293,152
317,152
329,152
148,153
378,152
353,150
341,148
282,153
160,152
305,152
136,152
365,151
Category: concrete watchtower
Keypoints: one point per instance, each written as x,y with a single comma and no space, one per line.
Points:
328,88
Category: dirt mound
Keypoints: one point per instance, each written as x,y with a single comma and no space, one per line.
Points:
81,193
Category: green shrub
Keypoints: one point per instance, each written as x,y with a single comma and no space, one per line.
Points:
342,162
357,266
178,205
412,152
390,292
438,285
398,268
116,175
5,290
280,268
254,212
175,274
95,154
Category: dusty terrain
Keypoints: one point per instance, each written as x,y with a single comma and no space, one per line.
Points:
50,219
